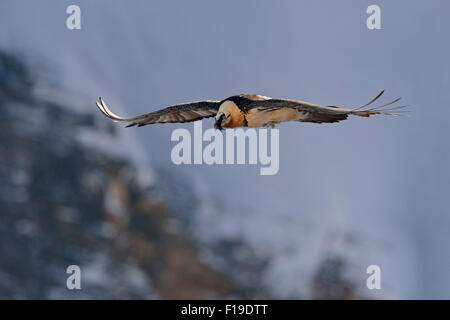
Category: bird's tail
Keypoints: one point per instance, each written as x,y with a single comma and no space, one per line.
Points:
386,109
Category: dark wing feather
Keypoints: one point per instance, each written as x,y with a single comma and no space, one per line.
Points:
186,112
309,112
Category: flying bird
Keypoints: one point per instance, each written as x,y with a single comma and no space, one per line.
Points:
251,110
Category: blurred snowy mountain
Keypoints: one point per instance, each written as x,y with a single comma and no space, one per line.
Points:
64,202
67,198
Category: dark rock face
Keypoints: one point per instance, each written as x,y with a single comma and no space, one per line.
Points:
330,281
63,202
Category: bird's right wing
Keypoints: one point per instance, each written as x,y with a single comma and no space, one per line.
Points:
186,112
309,112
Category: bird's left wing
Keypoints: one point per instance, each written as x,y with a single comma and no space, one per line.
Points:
186,112
308,112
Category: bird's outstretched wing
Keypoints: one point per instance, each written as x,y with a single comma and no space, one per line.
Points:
308,112
178,113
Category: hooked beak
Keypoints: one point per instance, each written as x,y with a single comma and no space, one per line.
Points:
218,123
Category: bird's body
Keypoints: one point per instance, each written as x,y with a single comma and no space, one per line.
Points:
270,118
253,117
249,110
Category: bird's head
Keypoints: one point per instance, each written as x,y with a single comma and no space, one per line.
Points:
228,115
221,120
